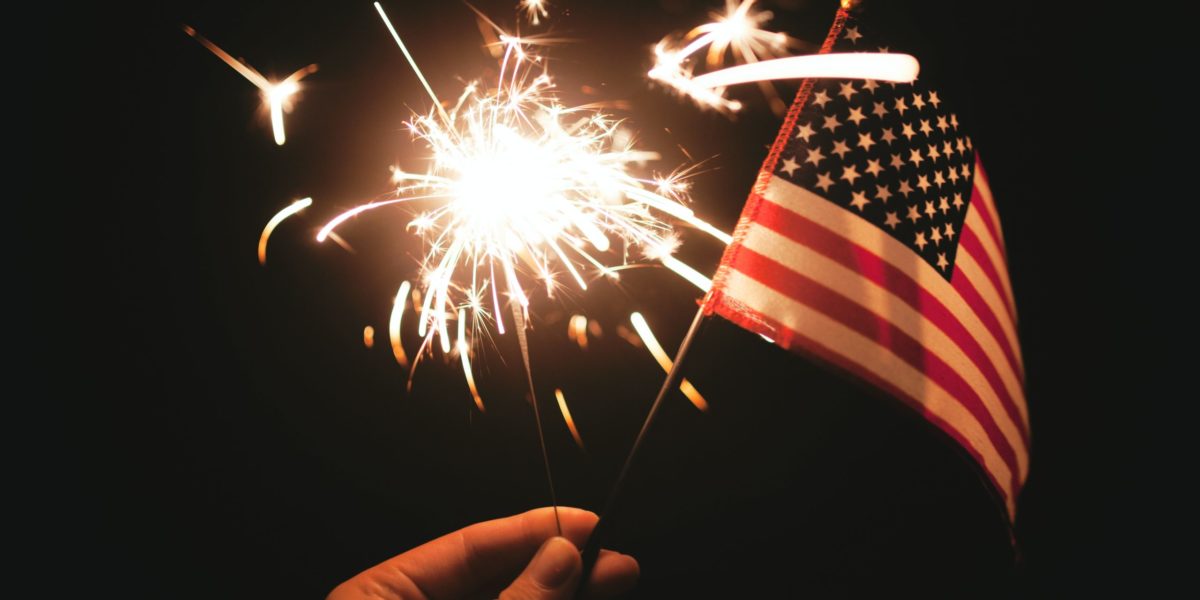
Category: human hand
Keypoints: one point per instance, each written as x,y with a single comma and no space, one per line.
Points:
479,561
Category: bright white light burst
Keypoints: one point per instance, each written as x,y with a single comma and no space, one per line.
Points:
525,190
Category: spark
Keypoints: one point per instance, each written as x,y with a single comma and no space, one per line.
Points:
277,95
522,188
664,361
664,253
562,406
369,337
279,217
394,324
535,10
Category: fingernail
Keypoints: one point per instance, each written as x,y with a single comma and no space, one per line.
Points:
554,563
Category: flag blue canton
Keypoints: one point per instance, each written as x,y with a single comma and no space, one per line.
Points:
892,153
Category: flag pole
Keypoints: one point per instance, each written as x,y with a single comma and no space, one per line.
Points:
591,550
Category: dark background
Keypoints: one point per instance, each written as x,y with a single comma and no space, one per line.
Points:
217,429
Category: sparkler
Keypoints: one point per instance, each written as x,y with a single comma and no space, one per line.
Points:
524,187
737,35
277,95
521,187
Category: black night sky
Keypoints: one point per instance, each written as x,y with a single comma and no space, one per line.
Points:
218,429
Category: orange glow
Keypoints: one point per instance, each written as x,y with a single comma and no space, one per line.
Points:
369,336
562,405
577,330
664,361
279,217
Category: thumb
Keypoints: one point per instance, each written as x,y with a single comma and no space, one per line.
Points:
552,574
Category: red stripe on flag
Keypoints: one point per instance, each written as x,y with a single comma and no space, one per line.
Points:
811,293
970,241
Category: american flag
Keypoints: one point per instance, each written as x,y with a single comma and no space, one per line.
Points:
871,242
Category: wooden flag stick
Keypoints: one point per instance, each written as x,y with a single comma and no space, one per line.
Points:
591,550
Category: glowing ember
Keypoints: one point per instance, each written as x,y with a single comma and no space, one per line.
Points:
279,217
369,336
577,330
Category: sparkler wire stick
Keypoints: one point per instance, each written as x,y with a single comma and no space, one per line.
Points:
591,550
519,317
